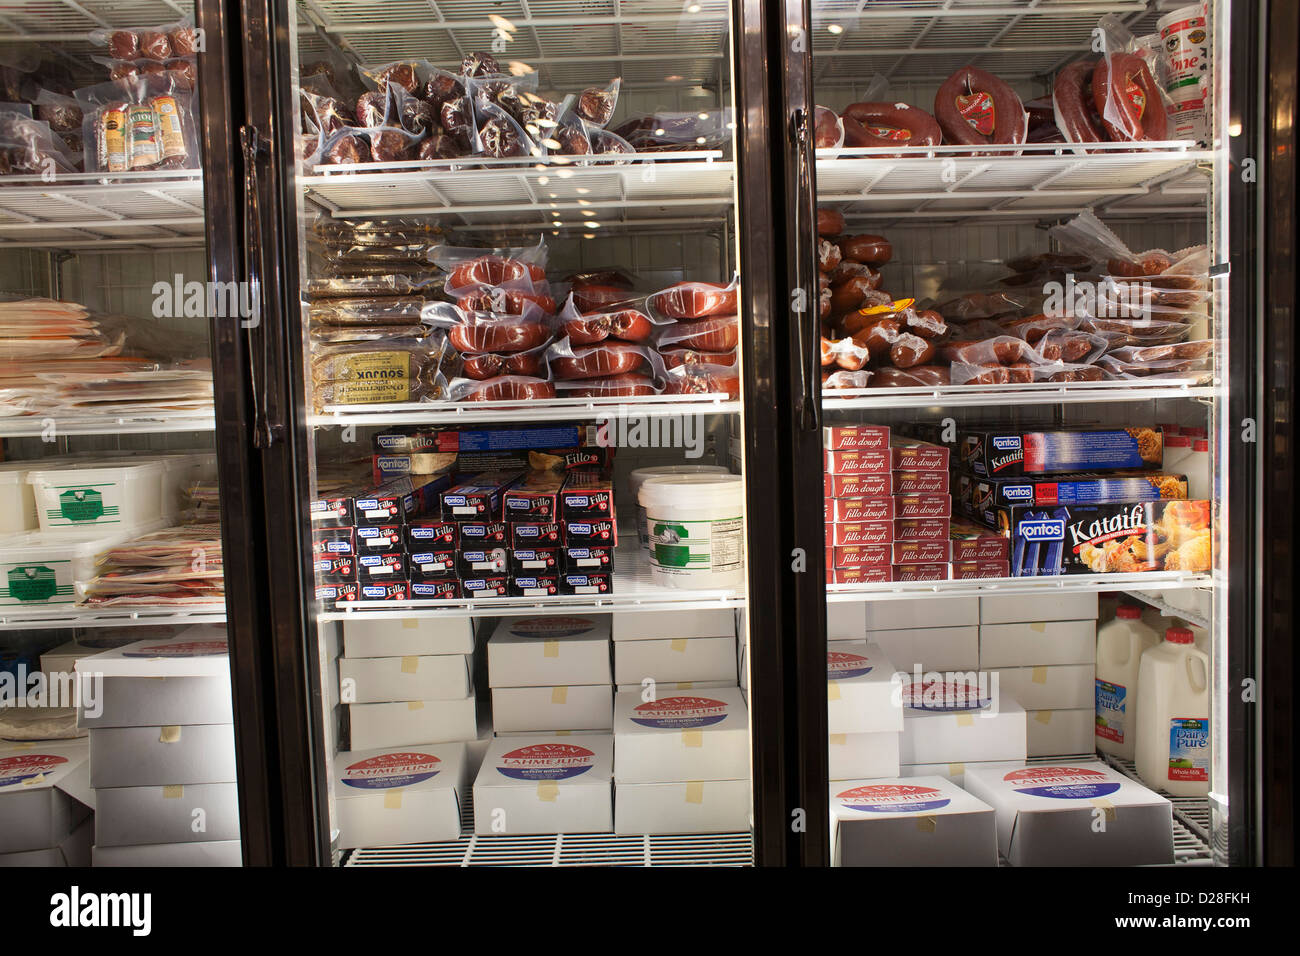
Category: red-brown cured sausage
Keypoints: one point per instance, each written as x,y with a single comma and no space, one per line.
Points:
695,300
894,124
498,336
1132,108
830,222
507,389
868,249
598,361
975,108
1076,112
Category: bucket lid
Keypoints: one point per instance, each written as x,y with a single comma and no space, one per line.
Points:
1179,635
693,490
639,476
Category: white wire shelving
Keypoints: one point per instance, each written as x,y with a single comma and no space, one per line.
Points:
72,615
53,426
549,410
966,396
995,587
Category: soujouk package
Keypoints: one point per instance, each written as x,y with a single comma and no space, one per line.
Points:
918,821
545,784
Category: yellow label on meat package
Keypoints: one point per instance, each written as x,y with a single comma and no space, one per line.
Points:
369,378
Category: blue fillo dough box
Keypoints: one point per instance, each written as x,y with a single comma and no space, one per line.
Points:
1036,453
1077,489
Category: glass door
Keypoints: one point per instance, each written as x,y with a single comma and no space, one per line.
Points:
1031,532
130,727
526,308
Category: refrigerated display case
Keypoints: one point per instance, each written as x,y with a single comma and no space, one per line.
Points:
976,362
125,452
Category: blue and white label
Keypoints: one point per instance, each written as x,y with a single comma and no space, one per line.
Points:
1061,783
549,628
1042,529
387,771
841,665
1018,493
1112,702
1006,442
579,527
454,501
892,798
944,696
1189,749
680,713
546,762
28,767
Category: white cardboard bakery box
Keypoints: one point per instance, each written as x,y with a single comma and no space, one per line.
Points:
1077,814
211,853
1051,686
860,695
926,612
1019,608
960,719
63,659
846,621
548,709
400,723
1053,733
700,735
197,651
36,812
178,813
677,659
376,680
1038,643
549,651
862,756
394,796
954,772
158,756
666,625
74,850
930,648
650,688
407,636
158,701
920,821
545,784
691,806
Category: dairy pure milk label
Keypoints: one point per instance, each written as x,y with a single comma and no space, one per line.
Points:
391,770
842,666
1112,700
28,768
549,628
1189,749
1061,783
182,649
546,762
945,696
680,713
892,798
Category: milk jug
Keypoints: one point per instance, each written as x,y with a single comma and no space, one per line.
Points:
1173,732
1120,644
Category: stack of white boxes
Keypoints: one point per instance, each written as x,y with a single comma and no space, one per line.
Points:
545,783
45,804
1044,651
681,761
551,674
863,720
162,751
408,681
408,686
684,650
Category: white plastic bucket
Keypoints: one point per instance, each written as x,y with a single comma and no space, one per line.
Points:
697,530
1185,37
89,498
639,477
42,569
17,504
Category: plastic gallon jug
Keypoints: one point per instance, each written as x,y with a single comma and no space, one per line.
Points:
696,529
1173,734
639,477
1120,645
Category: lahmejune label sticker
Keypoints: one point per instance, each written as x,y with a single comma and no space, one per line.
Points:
943,696
1061,783
549,628
27,766
546,762
841,665
392,770
680,713
892,798
184,649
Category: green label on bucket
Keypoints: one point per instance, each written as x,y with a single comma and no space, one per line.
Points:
32,583
81,504
705,546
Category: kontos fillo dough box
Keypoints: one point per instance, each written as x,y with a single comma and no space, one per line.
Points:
545,784
921,821
698,735
392,796
1075,814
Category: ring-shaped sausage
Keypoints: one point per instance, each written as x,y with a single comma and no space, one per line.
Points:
894,124
975,108
1131,111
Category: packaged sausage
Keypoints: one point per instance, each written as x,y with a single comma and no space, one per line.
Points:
403,73
924,376
718,334
504,388
1131,103
629,323
975,108
606,144
596,104
892,125
703,379
596,361
391,284
626,385
379,372
499,136
368,310
696,300
841,378
486,365
673,356
828,129
679,131
29,147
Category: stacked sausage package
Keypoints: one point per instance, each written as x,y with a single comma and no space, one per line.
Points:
888,507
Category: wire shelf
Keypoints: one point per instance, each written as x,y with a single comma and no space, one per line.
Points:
56,425
954,396
992,587
634,590
555,409
1191,819
1168,610
44,618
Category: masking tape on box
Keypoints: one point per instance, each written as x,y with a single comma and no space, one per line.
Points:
559,695
409,623
965,720
1043,716
1038,675
956,769
393,799
169,735
551,649
678,644
1038,627
564,733
33,781
415,705
692,738
1101,803
694,791
927,823
837,740
548,791
684,685
410,665
173,792
832,690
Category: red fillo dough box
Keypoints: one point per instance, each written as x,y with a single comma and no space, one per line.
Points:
871,462
861,556
861,532
920,572
920,482
921,552
921,529
908,454
860,509
965,570
970,543
858,437
858,486
859,575
923,506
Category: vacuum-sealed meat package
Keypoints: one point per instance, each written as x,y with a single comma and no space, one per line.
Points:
596,361
696,300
